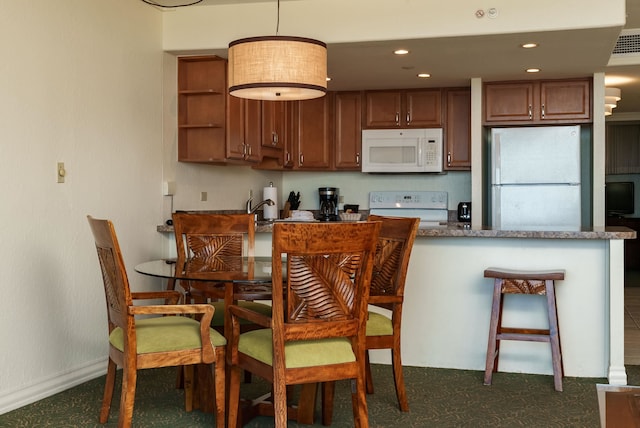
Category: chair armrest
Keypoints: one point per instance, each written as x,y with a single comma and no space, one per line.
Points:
172,297
376,300
235,313
208,353
249,315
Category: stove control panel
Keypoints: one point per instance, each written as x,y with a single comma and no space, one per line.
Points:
411,199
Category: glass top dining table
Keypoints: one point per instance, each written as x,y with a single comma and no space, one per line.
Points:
255,270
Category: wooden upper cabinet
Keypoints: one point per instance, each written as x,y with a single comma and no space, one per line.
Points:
202,88
423,108
551,102
420,108
274,124
565,100
244,130
348,131
312,134
457,131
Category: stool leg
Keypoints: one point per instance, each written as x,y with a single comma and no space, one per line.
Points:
554,335
496,315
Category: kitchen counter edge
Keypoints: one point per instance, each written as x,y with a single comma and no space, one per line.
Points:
453,230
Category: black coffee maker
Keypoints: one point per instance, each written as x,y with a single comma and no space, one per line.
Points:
328,203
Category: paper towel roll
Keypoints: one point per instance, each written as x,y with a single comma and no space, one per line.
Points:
270,211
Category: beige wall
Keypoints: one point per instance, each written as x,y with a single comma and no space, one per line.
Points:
80,82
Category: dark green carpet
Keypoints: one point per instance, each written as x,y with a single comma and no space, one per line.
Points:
437,398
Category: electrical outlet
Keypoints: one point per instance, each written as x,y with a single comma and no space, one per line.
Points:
61,172
203,196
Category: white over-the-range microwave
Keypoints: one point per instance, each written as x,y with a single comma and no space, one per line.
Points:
402,150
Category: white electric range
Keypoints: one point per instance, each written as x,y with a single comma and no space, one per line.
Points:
430,206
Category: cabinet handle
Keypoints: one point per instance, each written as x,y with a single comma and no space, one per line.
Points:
301,159
543,111
357,158
449,158
274,138
397,118
288,157
530,112
248,150
243,149
408,118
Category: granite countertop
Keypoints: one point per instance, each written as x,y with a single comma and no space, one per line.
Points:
454,229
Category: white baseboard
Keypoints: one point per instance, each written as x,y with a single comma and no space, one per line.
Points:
11,400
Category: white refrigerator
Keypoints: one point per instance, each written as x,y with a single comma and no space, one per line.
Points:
535,178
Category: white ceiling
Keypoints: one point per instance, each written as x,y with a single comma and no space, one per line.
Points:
453,61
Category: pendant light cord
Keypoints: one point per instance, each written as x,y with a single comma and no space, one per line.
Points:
278,20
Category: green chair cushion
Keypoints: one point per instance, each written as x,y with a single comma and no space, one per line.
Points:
161,334
379,325
304,353
218,315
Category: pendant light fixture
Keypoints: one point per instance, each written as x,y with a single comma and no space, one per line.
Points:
277,68
611,98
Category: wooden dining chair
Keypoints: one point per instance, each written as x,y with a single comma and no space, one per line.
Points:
167,336
317,330
395,243
391,261
216,241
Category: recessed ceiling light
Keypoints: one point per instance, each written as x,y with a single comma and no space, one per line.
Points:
529,45
533,70
401,52
424,75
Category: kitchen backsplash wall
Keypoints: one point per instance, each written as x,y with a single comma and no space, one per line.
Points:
227,187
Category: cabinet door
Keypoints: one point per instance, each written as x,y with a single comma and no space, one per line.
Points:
252,130
201,108
313,138
348,130
383,109
457,132
274,123
244,130
504,102
235,128
568,101
423,109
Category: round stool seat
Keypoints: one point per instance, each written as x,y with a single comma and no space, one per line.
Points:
508,281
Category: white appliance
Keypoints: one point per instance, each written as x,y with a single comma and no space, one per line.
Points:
535,178
430,206
402,150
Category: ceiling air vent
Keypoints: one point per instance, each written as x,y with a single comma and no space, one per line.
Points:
628,43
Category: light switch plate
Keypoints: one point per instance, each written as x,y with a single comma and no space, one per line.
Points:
61,172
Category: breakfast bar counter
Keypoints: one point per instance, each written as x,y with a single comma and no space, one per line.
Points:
448,301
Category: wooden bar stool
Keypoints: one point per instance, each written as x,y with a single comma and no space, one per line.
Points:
523,282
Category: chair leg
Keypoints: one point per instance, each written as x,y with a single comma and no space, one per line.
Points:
359,402
280,403
328,391
234,395
187,381
128,395
367,370
109,385
554,336
493,331
219,370
398,377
